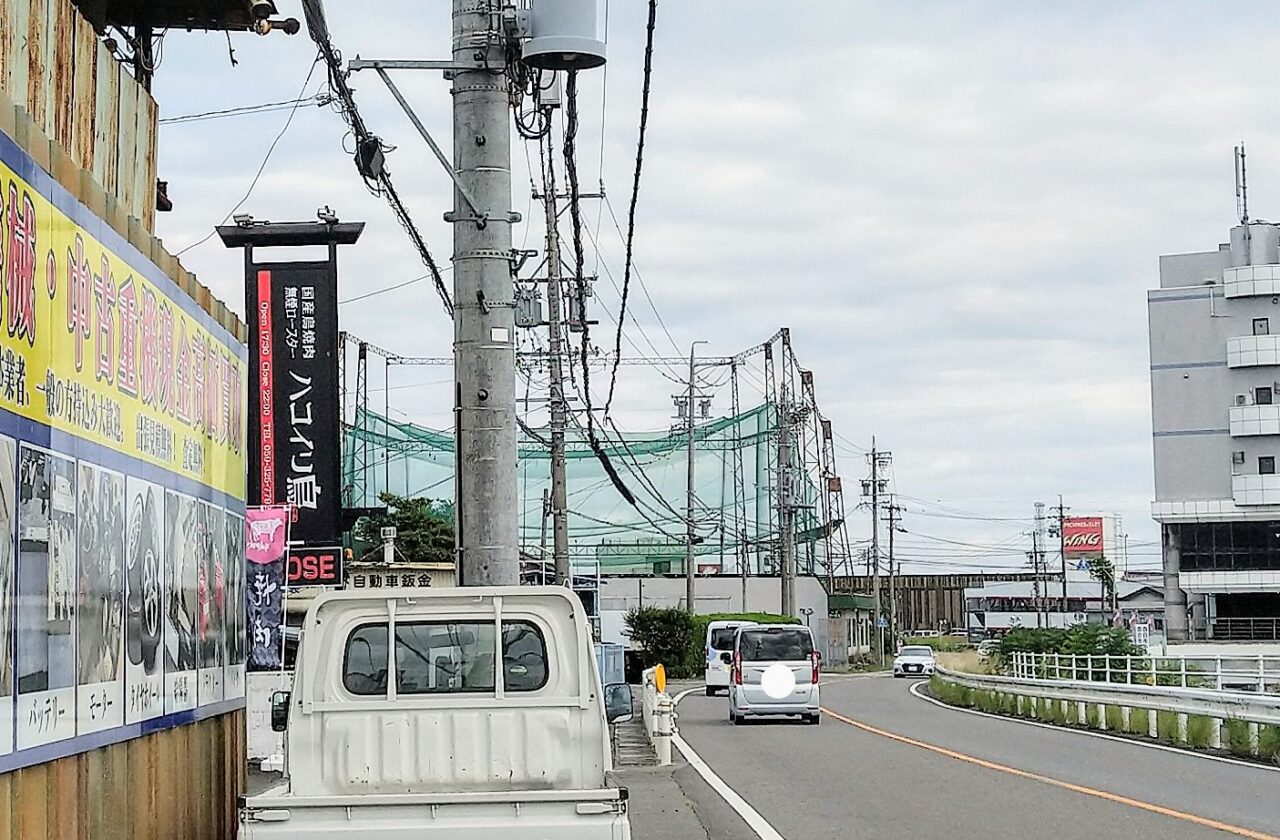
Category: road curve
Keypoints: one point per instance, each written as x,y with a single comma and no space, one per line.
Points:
838,780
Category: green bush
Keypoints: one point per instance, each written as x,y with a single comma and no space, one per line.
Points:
1115,719
1080,639
1091,718
1237,740
1167,726
664,636
676,639
1269,743
1200,730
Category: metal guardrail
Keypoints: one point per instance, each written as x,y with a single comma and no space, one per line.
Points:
1260,673
1251,707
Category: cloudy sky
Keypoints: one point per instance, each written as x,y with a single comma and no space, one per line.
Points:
956,208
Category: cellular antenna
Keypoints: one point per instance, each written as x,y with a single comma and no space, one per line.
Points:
1242,186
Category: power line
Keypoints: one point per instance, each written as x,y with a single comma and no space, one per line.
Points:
267,157
392,288
243,110
635,196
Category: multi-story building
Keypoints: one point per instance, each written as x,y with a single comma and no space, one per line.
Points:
1215,400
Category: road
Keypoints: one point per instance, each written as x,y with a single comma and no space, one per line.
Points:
838,780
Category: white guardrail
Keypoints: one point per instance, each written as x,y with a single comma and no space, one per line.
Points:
659,715
1259,673
1032,695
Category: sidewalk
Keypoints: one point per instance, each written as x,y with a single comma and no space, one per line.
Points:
659,809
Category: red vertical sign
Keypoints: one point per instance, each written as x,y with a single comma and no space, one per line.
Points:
266,405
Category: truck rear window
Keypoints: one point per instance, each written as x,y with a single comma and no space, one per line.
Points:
445,658
781,645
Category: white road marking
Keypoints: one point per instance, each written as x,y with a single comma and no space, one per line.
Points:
1134,741
749,815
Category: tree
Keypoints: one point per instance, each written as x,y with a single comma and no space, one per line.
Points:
424,528
665,636
1102,570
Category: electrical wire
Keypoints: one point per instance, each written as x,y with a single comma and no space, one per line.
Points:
265,159
392,288
244,110
635,196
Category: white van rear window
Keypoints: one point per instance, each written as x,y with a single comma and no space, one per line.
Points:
722,638
780,645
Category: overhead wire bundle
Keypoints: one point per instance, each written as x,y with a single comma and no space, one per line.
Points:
369,149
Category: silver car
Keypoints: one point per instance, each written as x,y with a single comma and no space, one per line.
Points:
775,672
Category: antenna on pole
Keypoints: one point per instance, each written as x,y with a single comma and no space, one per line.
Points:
1242,186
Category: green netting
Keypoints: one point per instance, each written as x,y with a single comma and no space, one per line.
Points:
737,527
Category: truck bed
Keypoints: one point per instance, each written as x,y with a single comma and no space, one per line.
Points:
277,814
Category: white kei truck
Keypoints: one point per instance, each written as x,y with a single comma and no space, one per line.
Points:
445,714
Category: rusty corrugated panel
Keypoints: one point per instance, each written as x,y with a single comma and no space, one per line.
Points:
126,148
148,113
106,128
8,45
18,67
62,100
83,115
38,63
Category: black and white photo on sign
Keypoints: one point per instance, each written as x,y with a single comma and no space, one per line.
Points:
234,624
144,599
46,660
212,590
100,607
182,607
8,490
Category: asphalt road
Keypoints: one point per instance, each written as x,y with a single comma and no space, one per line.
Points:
837,780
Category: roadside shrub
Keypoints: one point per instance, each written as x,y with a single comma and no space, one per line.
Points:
1237,737
1269,743
1115,719
1167,726
1080,639
1090,715
664,636
941,644
1199,730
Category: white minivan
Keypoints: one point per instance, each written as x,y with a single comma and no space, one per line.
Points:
719,649
775,672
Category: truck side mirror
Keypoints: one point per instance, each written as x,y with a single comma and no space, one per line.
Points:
280,711
617,703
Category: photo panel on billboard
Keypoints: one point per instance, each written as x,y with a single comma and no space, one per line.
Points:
100,608
46,658
212,590
235,607
144,596
182,606
8,510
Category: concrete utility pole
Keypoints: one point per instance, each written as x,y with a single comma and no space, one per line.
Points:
1039,536
1062,550
559,500
689,535
787,518
483,294
875,547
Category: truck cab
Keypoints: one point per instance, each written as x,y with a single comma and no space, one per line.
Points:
445,713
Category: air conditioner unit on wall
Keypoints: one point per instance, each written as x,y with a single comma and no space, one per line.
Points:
1241,399
1237,457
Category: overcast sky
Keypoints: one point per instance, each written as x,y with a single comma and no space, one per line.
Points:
956,208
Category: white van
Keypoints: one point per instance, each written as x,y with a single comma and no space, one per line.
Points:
775,672
719,649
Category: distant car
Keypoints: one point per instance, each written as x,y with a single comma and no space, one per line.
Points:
988,647
914,660
720,636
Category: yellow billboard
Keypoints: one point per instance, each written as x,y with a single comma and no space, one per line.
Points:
97,343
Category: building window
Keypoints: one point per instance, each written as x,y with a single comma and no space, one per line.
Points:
1262,396
1267,465
1261,326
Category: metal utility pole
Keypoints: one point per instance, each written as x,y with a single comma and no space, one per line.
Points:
787,535
559,500
894,519
483,292
689,534
1062,550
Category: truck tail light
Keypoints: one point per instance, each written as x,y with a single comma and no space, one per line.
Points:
737,668
814,656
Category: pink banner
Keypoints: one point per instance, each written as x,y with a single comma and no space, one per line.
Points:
266,544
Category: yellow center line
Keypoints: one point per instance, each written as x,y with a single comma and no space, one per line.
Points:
1087,791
